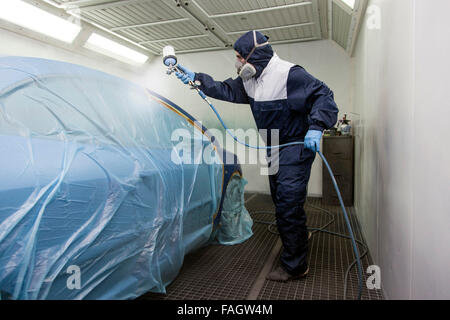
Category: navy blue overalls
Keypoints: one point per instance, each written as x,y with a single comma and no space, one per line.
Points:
282,96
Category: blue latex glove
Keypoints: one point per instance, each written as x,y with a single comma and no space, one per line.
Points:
312,140
185,77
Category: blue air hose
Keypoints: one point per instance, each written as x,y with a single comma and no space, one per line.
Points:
347,221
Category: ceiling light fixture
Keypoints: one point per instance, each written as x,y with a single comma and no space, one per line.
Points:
115,50
35,19
350,3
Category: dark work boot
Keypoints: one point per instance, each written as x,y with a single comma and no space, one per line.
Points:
280,275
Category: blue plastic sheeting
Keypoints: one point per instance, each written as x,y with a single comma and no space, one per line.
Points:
92,203
236,223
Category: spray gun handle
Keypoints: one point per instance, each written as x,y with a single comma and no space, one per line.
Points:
173,68
191,83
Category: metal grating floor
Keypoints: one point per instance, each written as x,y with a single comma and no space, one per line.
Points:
328,259
229,272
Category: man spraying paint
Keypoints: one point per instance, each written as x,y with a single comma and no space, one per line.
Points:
283,97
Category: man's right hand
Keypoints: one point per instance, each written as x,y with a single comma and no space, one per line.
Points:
186,75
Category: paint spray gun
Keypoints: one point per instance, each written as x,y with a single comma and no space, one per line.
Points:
170,60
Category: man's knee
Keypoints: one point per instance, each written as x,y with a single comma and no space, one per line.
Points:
289,196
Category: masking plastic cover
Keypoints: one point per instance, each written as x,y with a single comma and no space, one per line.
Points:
236,223
93,202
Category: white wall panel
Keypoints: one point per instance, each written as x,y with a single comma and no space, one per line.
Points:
384,99
403,178
431,154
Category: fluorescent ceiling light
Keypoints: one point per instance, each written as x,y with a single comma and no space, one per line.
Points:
350,3
31,17
113,49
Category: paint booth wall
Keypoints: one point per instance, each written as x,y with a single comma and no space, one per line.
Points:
323,59
402,173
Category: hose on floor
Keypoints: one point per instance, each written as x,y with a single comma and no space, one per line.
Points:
270,224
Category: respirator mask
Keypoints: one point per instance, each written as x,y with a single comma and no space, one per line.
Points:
245,70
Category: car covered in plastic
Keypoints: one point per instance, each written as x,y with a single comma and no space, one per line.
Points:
97,200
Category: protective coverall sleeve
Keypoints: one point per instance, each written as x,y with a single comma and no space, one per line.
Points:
231,90
311,96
